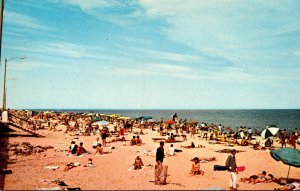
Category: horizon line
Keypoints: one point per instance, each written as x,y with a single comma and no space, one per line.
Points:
141,109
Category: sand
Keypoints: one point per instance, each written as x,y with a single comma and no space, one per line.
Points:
111,171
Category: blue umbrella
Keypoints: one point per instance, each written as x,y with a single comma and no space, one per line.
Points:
144,117
97,119
102,122
288,156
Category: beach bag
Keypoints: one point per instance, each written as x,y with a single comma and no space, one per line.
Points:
220,168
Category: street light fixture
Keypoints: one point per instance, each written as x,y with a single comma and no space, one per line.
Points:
4,84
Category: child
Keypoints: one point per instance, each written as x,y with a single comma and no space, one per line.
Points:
138,163
196,167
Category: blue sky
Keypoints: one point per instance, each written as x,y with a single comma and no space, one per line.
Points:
152,54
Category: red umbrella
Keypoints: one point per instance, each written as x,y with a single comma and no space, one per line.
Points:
169,122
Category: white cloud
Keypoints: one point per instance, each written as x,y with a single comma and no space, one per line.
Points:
160,55
86,4
28,64
297,53
170,67
159,69
24,21
57,48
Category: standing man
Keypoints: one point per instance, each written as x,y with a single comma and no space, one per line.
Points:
282,138
160,153
231,165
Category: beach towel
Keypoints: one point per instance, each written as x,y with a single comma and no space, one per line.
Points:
240,168
52,167
52,188
132,168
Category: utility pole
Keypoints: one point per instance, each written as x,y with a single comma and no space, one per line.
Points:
1,25
4,88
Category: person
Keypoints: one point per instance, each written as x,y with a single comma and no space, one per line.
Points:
160,153
100,150
196,167
95,143
231,165
268,143
250,133
171,150
171,139
282,138
158,171
189,146
293,140
133,141
69,166
264,178
90,163
253,177
292,186
138,141
138,163
103,137
80,150
174,117
73,148
244,142
193,146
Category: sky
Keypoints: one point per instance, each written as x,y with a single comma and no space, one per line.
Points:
152,54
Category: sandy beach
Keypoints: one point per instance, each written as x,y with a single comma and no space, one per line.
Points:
111,171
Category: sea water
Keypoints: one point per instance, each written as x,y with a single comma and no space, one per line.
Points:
256,119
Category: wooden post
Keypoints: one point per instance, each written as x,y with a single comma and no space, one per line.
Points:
288,174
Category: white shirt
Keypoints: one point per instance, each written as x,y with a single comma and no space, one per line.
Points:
171,151
166,137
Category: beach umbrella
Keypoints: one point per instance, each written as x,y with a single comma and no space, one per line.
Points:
124,118
269,132
114,115
273,129
151,120
288,156
102,122
144,117
97,119
192,122
169,122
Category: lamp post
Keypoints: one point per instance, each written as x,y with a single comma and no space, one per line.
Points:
4,83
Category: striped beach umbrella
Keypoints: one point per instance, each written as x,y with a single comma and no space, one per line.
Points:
269,131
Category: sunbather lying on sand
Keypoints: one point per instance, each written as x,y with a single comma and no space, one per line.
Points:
259,178
193,146
71,165
208,159
292,186
266,179
116,140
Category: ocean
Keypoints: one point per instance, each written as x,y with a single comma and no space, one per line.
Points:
288,119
